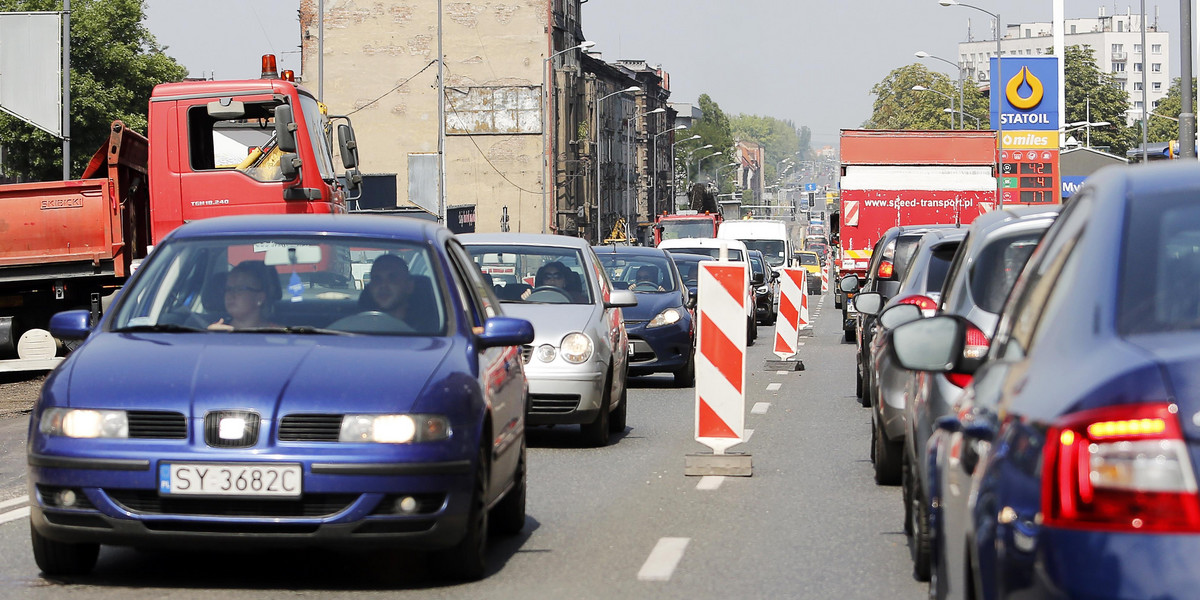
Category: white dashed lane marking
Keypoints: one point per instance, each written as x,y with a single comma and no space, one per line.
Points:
774,387
710,482
13,502
760,408
746,433
13,515
663,559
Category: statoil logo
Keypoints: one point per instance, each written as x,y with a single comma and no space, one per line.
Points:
1013,90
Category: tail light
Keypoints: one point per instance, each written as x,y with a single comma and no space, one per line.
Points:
886,269
976,346
1120,468
925,303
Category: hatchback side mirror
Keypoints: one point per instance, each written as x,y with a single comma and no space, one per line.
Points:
849,283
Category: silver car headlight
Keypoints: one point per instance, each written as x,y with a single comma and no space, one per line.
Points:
576,348
664,318
394,429
85,423
546,353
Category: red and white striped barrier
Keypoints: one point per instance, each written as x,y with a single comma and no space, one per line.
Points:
794,287
804,323
825,280
721,354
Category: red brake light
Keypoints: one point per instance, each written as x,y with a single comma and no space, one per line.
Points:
925,303
976,346
1123,468
269,70
886,269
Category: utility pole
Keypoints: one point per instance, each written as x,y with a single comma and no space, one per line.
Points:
1187,114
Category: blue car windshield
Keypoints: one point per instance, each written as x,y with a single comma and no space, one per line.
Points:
640,273
292,284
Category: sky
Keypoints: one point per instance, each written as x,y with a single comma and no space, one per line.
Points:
809,61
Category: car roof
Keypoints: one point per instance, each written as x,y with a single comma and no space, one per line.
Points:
369,225
534,239
687,257
629,250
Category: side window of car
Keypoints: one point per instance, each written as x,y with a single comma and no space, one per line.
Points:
477,302
1026,307
600,275
952,275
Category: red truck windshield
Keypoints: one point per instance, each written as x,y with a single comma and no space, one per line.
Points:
673,229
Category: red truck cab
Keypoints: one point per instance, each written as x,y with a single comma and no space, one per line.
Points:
686,224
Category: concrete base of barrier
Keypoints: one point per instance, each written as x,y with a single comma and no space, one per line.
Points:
729,465
791,364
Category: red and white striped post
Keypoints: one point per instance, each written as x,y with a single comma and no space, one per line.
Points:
787,327
721,354
825,279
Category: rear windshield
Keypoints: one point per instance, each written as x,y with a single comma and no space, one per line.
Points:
1161,266
809,260
939,265
996,269
906,246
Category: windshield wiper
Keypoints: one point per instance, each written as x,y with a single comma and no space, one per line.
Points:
307,329
158,328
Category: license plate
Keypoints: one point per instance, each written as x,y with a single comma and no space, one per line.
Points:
230,479
629,349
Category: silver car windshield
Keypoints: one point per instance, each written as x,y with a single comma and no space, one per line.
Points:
291,284
535,274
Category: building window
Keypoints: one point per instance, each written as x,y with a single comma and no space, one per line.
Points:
1156,48
1156,86
1118,67
1118,48
1137,67
1073,29
1028,33
1156,103
1156,67
1137,104
1137,48
1137,86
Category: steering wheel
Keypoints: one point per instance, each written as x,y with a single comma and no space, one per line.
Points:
371,321
549,294
644,286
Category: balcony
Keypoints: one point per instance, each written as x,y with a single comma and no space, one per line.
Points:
1119,56
1120,75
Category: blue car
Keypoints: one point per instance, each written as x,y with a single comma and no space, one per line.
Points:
662,337
1070,468
299,380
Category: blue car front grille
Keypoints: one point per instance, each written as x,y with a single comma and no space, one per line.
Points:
152,424
309,505
310,428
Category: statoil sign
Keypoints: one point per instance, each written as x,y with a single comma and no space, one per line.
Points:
1026,93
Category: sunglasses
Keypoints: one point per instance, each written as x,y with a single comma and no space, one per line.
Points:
241,288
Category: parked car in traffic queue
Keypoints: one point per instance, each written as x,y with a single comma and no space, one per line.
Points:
766,294
722,249
267,406
1076,466
579,358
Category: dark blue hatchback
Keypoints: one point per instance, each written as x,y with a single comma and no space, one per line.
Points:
1069,467
660,328
343,381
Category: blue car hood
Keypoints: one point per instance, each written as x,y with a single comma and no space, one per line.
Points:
650,304
269,373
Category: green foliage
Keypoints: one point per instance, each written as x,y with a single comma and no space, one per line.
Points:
713,128
115,64
898,106
1091,92
1162,130
779,138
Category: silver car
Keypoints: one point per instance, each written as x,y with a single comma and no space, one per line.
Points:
577,363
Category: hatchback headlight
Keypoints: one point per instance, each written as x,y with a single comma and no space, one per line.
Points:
760,290
664,318
85,423
576,348
394,429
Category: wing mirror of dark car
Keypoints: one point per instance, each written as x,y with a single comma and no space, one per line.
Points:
691,301
621,299
896,315
868,303
848,283
71,324
506,331
774,275
757,279
934,344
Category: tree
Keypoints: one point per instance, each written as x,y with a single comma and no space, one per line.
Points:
1161,129
898,106
1091,92
779,138
713,128
115,64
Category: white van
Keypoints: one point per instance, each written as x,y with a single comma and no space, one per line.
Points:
735,251
770,237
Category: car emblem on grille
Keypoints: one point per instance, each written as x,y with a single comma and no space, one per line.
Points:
231,428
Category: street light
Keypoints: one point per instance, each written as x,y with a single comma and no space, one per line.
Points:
653,210
961,106
1088,125
632,154
961,114
596,126
921,88
700,161
996,85
547,122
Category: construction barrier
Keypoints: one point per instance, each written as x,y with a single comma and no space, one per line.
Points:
721,354
825,280
794,286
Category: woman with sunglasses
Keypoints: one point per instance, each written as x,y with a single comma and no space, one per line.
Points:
247,290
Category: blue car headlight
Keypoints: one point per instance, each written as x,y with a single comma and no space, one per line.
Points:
664,318
394,429
84,423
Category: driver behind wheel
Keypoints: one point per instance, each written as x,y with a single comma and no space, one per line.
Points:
647,276
557,275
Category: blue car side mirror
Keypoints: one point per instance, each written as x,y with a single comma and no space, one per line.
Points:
71,324
506,331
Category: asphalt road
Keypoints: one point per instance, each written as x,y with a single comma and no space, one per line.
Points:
616,522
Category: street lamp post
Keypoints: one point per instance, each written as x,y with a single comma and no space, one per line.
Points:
632,154
547,122
652,207
700,161
961,106
921,88
678,142
596,126
961,114
996,85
